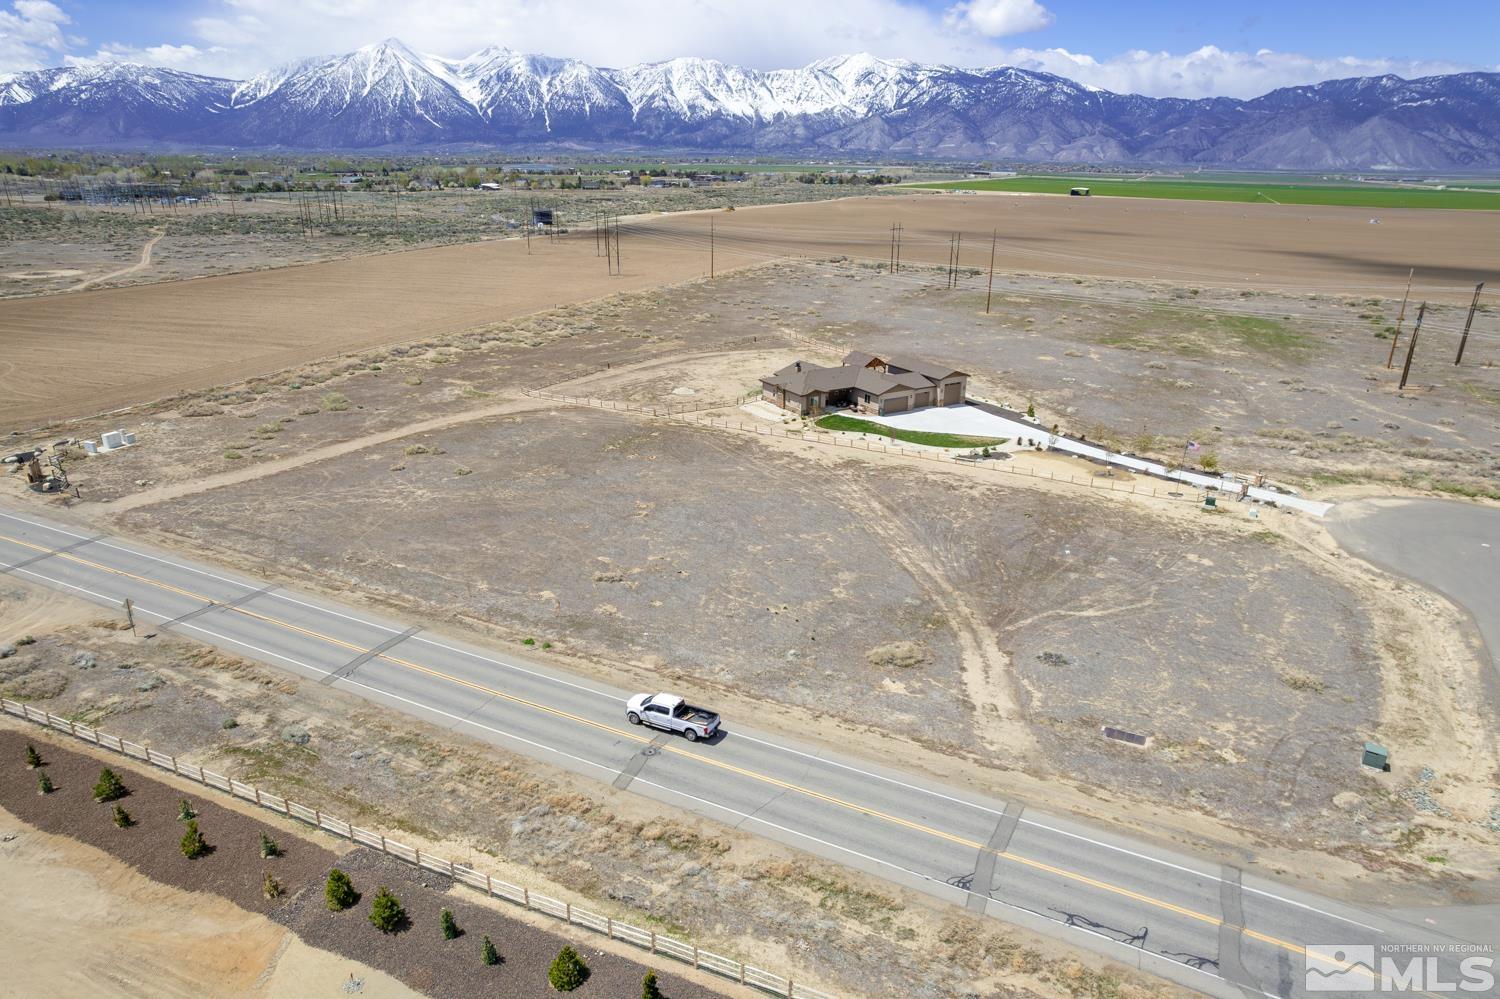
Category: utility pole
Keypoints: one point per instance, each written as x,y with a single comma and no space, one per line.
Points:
1391,358
898,247
710,249
990,291
1464,340
1411,347
130,614
892,268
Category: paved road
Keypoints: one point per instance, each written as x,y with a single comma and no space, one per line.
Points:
1208,927
1451,546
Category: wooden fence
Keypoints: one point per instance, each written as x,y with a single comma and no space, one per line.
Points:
648,940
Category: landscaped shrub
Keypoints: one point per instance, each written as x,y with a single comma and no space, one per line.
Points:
490,955
385,911
122,818
268,847
193,843
649,988
568,970
43,782
340,892
33,758
450,928
270,887
109,786
185,811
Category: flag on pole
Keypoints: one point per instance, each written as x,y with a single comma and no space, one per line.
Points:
1192,445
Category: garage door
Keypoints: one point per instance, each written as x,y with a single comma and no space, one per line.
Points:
953,394
923,399
897,405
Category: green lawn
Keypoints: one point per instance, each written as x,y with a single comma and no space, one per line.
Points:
1361,196
855,425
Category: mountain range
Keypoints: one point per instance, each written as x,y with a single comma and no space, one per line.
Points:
388,97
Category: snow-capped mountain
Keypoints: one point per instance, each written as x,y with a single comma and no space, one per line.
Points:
388,96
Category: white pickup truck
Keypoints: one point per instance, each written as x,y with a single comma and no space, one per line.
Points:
673,714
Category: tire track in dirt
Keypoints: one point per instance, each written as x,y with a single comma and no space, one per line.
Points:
177,490
985,668
139,265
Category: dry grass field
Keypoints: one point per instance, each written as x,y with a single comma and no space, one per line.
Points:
71,355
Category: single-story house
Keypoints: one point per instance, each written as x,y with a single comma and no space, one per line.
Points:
865,383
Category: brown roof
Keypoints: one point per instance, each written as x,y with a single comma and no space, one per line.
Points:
800,378
931,369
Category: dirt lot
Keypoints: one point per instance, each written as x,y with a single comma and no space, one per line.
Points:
938,608
835,582
89,924
572,838
171,337
233,871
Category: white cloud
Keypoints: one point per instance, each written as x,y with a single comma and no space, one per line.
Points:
187,58
31,35
1213,72
998,18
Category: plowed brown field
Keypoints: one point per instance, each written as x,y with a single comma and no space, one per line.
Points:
76,354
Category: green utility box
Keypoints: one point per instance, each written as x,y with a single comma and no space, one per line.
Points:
1210,501
1377,757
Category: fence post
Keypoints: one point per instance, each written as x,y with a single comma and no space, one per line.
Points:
609,924
695,955
742,972
526,895
489,886
419,856
71,730
319,817
252,787
568,910
653,941
382,845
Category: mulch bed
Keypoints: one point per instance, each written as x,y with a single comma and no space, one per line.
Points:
420,957
234,869
417,955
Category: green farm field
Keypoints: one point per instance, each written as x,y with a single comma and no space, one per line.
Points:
1355,196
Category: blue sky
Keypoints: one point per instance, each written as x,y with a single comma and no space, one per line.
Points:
1159,47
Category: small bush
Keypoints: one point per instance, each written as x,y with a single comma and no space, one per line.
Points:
268,847
649,988
489,954
33,758
109,786
26,640
43,782
335,402
340,891
386,913
270,887
414,449
568,970
228,723
193,844
450,928
463,470
232,455
122,818
185,811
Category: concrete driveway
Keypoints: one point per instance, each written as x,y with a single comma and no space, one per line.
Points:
984,420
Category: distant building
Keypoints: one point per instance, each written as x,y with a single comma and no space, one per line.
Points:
866,383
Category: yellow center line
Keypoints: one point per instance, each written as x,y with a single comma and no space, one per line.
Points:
697,757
